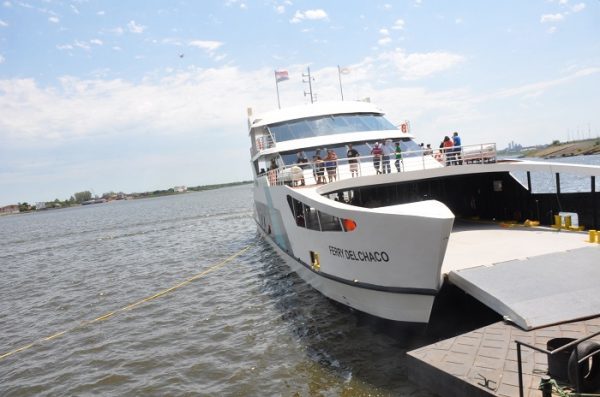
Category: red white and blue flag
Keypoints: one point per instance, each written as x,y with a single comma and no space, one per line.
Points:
281,75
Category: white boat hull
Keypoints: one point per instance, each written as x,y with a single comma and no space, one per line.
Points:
410,308
389,266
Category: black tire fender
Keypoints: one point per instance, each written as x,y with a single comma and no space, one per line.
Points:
589,369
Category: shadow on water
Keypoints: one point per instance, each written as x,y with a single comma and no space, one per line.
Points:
355,345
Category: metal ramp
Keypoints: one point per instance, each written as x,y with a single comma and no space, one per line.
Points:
537,291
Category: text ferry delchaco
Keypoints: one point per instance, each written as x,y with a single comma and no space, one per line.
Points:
371,231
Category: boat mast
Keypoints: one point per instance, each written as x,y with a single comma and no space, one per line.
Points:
309,81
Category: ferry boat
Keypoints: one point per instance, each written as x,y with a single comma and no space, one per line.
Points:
371,231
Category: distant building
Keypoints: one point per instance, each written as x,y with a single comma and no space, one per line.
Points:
180,189
40,206
9,209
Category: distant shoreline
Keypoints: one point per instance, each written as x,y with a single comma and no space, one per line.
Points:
567,149
133,196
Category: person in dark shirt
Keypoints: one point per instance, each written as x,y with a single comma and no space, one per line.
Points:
352,155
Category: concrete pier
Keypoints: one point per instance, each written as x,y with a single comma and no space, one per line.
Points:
543,282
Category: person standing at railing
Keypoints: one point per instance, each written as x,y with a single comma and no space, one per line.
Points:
331,165
457,143
352,156
387,149
447,145
376,152
272,173
428,150
398,152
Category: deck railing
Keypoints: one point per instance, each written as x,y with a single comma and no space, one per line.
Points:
311,173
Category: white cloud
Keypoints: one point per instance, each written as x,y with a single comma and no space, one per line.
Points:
82,44
536,89
162,107
7,4
53,19
101,13
384,32
135,28
317,14
280,9
551,18
75,10
398,25
3,24
96,41
208,46
117,48
118,31
384,41
578,7
64,47
2,59
458,21
551,29
420,65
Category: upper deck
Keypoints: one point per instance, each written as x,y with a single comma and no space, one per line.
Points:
318,125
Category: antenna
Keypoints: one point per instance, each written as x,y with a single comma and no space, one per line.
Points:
309,81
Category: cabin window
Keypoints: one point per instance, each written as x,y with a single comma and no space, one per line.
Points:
330,223
313,219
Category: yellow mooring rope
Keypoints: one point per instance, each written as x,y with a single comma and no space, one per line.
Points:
128,307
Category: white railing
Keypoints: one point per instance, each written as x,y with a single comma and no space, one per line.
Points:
311,173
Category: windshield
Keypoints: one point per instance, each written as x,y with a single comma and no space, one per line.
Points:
329,125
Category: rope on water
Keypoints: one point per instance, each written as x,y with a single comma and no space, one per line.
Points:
128,307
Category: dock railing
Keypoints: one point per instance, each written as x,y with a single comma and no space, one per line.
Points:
325,171
569,346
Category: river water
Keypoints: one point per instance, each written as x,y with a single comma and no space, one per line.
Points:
247,328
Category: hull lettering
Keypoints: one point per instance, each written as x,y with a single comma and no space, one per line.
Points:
361,256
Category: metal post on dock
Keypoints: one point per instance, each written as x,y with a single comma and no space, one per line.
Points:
593,202
520,368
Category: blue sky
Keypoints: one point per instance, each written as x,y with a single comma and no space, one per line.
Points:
143,94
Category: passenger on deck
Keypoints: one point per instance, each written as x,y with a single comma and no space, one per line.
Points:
272,174
377,153
399,163
428,150
447,145
301,158
456,151
352,155
331,165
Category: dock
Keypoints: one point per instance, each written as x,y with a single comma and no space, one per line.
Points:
543,282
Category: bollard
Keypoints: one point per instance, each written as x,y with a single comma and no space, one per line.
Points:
557,221
546,386
592,236
567,221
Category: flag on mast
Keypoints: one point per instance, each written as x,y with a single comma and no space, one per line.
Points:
281,75
344,70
